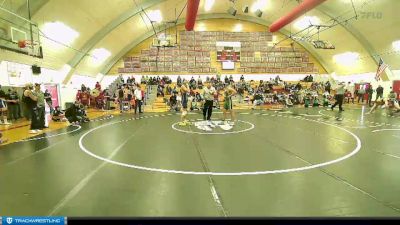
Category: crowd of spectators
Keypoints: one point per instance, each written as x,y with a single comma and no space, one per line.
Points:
128,94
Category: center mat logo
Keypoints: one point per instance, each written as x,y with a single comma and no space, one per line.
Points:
212,125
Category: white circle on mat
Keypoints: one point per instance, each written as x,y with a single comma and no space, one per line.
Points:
243,173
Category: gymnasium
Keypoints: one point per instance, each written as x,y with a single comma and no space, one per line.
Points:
200,108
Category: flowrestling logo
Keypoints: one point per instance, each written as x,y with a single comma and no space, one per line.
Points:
17,220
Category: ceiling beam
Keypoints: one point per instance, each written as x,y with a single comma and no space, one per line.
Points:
110,63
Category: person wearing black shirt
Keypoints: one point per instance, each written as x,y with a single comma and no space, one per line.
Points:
120,98
370,91
49,101
328,87
258,99
226,80
3,107
73,114
298,86
58,115
173,102
13,104
379,92
179,80
30,100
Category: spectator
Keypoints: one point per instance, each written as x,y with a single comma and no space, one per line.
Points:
173,102
78,96
120,94
298,86
379,92
73,115
199,83
350,92
258,99
13,104
85,98
3,107
160,91
226,80
49,101
30,100
58,115
121,79
328,87
98,86
3,140
360,94
139,97
40,107
369,91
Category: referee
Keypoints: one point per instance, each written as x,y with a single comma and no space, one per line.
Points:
339,96
209,92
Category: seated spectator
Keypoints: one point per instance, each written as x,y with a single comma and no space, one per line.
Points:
76,114
160,91
85,98
82,114
307,100
288,101
326,99
226,80
98,86
121,78
173,102
72,114
3,108
258,99
316,102
3,140
58,115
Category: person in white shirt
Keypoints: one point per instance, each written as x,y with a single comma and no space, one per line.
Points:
138,99
339,96
208,93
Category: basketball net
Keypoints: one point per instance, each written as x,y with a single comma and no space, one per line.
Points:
27,45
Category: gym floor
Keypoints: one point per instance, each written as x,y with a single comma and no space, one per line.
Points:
299,162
